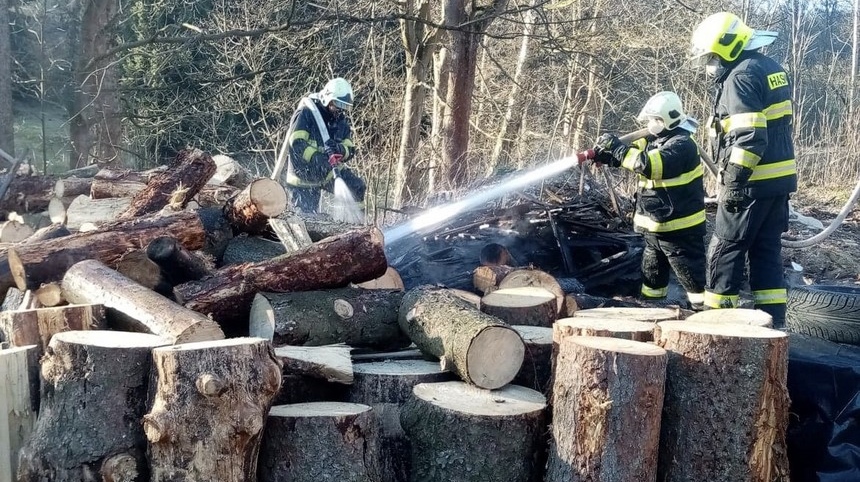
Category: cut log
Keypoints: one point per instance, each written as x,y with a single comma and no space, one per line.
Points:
251,209
85,210
86,171
190,170
53,231
127,186
467,296
292,233
16,414
13,301
321,226
652,315
580,301
495,254
28,194
177,264
57,210
218,232
216,391
451,424
528,305
309,442
743,316
35,263
92,407
534,277
251,249
355,316
227,295
143,310
49,295
385,386
725,390
613,328
230,172
36,327
13,232
136,266
391,280
606,410
536,372
215,195
72,186
486,278
331,363
478,347
108,174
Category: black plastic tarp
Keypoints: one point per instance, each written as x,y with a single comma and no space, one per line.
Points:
824,426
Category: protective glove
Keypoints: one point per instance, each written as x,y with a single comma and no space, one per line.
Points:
735,200
334,147
334,160
602,157
609,150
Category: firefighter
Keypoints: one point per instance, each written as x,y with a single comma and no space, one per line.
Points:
320,145
752,145
670,202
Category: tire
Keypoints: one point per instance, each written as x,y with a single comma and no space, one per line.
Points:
831,312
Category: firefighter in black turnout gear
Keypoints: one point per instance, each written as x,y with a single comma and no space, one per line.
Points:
670,202
751,134
320,143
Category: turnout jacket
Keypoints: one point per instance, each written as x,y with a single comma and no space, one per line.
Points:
671,196
751,129
308,164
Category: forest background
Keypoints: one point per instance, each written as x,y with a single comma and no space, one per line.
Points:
447,91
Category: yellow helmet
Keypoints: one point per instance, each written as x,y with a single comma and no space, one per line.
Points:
722,34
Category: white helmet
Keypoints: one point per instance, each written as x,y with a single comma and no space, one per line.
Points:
339,91
665,106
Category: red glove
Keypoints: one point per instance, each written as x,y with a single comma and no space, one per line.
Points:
334,159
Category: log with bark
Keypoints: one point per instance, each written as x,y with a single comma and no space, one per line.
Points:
35,263
92,407
227,295
494,254
463,433
178,265
110,183
725,413
17,415
250,210
524,277
215,195
608,394
389,281
355,316
536,372
140,309
28,194
37,326
331,363
250,249
53,231
218,392
478,347
230,172
50,294
652,315
136,266
12,301
614,328
486,279
13,232
175,186
527,305
72,186
85,210
310,442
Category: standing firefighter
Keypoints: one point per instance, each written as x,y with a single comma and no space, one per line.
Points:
320,145
670,204
751,135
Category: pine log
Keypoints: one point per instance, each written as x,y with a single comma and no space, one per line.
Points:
536,372
235,383
614,328
35,263
86,171
528,305
580,301
37,326
143,310
28,194
310,442
218,232
215,195
50,295
92,407
355,316
353,257
725,412
534,277
486,278
251,209
190,170
479,348
177,264
13,232
136,266
291,231
72,186
391,280
467,296
230,172
652,315
124,187
53,231
16,413
606,410
321,226
250,249
463,433
331,362
108,174
743,316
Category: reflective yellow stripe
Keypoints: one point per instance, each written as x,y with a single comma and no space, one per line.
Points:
640,144
713,300
309,152
629,161
681,180
778,110
770,297
654,292
696,297
297,135
348,143
295,181
656,163
774,170
744,157
744,121
645,222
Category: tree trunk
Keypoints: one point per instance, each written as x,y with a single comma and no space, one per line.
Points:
331,363
175,186
386,386
536,372
85,210
732,378
606,410
36,327
73,186
461,433
178,265
92,406
122,187
480,349
16,411
7,121
47,261
355,316
306,441
528,306
142,309
251,209
235,383
353,257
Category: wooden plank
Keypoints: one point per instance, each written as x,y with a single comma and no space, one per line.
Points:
16,416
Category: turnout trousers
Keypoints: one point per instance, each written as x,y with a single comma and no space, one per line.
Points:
307,199
749,235
682,252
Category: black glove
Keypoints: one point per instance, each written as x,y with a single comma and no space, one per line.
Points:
602,157
735,200
609,150
334,147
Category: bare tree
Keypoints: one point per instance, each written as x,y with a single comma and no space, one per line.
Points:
7,119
